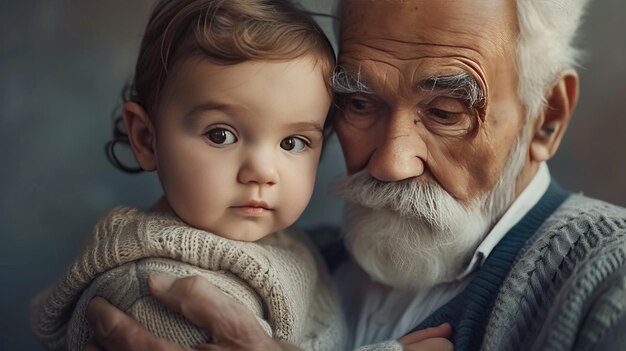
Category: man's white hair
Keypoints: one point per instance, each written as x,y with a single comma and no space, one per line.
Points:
545,47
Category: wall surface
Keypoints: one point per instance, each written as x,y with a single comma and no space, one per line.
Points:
62,65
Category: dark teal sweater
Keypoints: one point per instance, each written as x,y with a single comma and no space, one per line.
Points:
468,312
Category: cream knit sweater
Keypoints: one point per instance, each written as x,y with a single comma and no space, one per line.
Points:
280,278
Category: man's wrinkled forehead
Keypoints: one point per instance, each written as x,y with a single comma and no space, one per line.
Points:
408,41
456,23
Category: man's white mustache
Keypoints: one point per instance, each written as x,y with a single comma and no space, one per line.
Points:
414,198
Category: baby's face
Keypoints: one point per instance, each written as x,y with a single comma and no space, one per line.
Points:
237,146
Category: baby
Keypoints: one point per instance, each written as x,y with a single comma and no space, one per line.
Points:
228,104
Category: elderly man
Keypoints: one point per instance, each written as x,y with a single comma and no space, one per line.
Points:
448,111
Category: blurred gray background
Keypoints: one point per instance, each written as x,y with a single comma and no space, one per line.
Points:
62,66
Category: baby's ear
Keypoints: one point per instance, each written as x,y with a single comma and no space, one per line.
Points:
140,134
555,117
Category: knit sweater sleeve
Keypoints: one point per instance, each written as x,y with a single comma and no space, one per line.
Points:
605,325
279,278
589,313
126,288
567,290
125,247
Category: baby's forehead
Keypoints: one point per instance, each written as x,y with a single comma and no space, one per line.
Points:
278,92
198,73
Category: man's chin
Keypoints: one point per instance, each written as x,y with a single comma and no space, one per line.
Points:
407,252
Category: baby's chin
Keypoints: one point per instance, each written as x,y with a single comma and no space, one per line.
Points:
249,236
234,232
243,230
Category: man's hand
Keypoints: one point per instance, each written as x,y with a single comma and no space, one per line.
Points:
429,339
231,325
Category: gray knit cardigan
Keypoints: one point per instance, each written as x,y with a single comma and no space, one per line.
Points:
556,281
567,288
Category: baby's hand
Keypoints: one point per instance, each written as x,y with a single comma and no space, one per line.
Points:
429,339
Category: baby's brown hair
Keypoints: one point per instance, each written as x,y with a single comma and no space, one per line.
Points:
224,32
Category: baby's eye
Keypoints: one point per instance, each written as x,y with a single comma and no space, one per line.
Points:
221,136
293,144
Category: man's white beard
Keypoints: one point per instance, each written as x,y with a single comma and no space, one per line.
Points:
412,233
408,234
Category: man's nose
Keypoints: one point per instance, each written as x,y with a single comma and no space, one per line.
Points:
401,152
259,167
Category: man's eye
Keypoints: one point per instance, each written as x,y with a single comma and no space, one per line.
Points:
221,136
293,144
444,116
449,123
360,110
358,104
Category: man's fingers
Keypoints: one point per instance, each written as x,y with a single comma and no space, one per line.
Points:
92,346
433,344
114,330
442,331
199,301
229,323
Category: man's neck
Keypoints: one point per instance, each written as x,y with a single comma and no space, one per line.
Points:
527,174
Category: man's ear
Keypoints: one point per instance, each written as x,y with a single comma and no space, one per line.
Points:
140,135
554,119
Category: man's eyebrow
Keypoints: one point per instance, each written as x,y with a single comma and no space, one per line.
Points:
462,86
342,82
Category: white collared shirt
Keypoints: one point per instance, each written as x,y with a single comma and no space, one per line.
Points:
376,312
